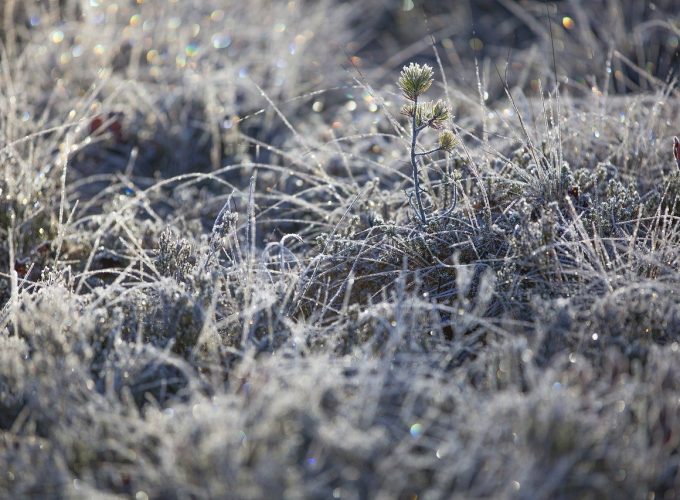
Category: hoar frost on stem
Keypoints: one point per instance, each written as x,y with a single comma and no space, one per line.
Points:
415,80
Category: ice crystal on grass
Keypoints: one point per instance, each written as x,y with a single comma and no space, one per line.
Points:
414,80
213,286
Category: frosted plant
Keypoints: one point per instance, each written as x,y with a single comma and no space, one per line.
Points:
414,81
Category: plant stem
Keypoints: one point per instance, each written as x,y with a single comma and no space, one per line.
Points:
414,163
432,151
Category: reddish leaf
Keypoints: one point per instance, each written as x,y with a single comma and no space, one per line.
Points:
111,123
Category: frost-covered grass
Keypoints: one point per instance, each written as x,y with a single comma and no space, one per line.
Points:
212,284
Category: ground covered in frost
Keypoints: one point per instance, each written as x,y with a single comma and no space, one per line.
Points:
212,284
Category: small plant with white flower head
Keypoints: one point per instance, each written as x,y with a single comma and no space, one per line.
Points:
415,80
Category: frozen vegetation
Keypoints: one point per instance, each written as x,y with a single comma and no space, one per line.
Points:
219,278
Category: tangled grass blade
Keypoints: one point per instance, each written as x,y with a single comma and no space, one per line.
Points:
230,268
